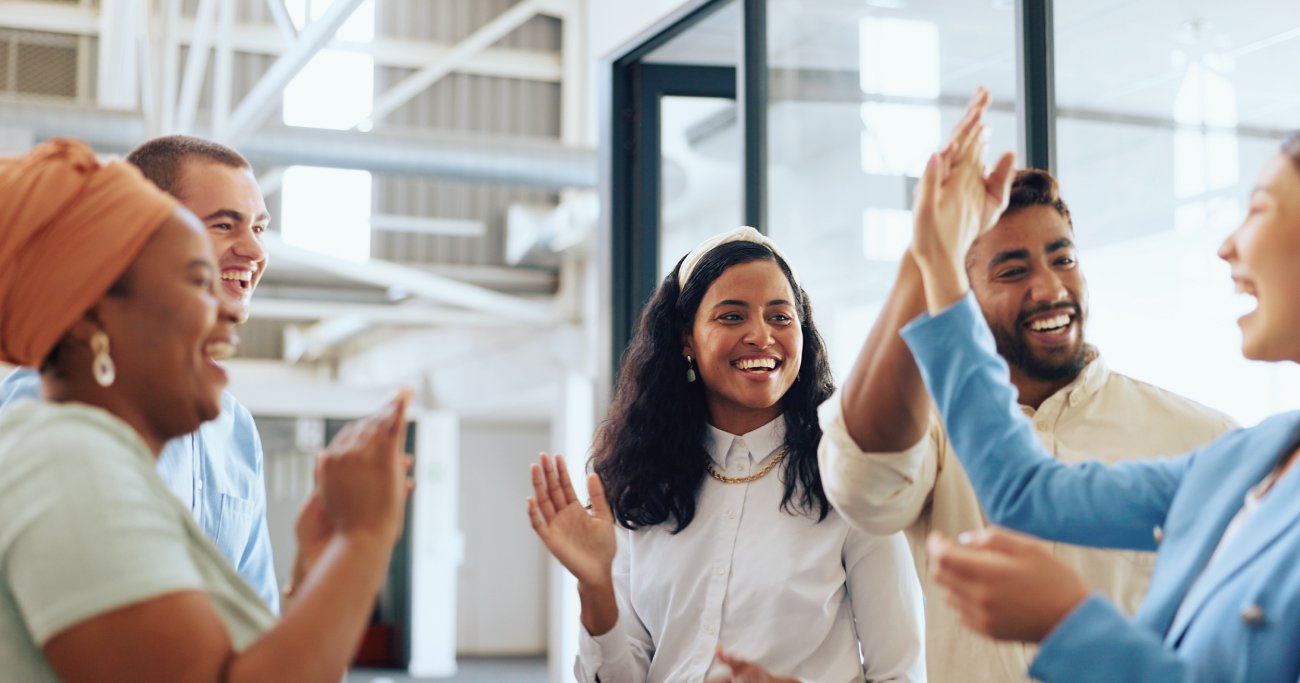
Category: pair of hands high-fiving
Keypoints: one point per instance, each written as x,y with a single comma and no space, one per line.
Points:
1003,584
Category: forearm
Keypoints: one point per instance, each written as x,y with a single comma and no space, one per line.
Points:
599,607
884,402
321,628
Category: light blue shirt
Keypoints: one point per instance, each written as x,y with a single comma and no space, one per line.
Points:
217,474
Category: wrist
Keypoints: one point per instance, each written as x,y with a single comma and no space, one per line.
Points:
945,284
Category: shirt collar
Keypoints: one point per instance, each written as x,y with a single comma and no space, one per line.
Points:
1088,382
762,443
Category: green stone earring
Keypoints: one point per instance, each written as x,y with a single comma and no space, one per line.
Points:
690,369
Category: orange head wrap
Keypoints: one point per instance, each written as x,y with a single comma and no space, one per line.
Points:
69,228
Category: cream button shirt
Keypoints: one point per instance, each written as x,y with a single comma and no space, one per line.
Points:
1101,415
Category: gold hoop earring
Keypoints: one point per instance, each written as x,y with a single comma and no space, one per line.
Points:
102,367
690,369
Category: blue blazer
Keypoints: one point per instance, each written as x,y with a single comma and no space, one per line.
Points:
1236,619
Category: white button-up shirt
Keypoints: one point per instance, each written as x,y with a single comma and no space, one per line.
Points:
819,601
1101,415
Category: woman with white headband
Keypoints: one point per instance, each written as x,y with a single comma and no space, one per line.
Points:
710,551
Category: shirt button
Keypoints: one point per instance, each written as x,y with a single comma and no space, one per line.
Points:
720,571
198,484
710,629
731,514
1253,615
1158,534
739,467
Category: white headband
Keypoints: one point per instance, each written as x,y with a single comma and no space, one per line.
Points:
742,234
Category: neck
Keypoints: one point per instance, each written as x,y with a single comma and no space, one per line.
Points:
740,422
56,390
1034,391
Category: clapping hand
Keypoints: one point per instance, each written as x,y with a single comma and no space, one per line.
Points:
1005,585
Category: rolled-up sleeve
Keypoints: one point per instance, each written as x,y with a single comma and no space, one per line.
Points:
881,493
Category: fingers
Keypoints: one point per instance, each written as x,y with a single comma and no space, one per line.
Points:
552,482
542,497
970,119
998,182
931,179
566,485
952,564
596,492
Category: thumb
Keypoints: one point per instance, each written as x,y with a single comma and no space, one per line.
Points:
596,494
998,183
998,540
931,180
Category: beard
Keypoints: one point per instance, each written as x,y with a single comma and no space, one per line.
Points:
1044,367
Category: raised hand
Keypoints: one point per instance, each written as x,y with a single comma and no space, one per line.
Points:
362,474
955,202
1005,585
582,540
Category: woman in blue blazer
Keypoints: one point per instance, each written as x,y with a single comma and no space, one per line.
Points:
1224,602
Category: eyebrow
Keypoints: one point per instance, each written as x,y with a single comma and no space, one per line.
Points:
1064,243
738,302
1005,256
201,263
235,216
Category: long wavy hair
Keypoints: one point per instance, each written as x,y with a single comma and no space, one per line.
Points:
650,451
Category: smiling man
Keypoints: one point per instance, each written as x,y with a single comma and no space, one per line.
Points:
216,471
886,462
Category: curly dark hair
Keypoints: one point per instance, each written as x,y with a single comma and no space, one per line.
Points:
1291,148
650,452
1036,187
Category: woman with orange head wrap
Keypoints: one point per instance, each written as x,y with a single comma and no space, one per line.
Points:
108,286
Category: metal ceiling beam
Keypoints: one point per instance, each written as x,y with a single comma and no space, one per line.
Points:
266,93
541,163
268,39
482,38
196,68
418,283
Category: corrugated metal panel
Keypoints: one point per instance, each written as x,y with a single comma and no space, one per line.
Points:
461,102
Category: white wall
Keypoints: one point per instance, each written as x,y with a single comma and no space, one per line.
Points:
502,603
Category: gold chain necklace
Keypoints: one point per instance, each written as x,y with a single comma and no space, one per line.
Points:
780,455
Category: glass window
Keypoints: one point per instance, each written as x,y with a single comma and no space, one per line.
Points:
327,209
860,94
1166,112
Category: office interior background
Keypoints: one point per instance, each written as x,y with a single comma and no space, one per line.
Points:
474,197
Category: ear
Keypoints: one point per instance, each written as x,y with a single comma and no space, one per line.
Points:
688,348
85,327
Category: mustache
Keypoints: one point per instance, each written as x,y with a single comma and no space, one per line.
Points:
1068,306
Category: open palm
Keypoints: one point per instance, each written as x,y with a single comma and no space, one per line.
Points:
582,540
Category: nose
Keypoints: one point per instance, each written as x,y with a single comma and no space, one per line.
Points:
759,334
1228,250
1047,287
249,244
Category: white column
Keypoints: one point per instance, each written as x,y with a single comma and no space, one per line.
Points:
118,73
571,431
437,547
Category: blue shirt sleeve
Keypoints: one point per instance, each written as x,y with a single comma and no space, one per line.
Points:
22,383
1018,482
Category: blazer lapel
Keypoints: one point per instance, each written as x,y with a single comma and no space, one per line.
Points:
1279,510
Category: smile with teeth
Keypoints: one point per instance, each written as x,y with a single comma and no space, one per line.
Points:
243,277
1052,324
756,364
220,350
